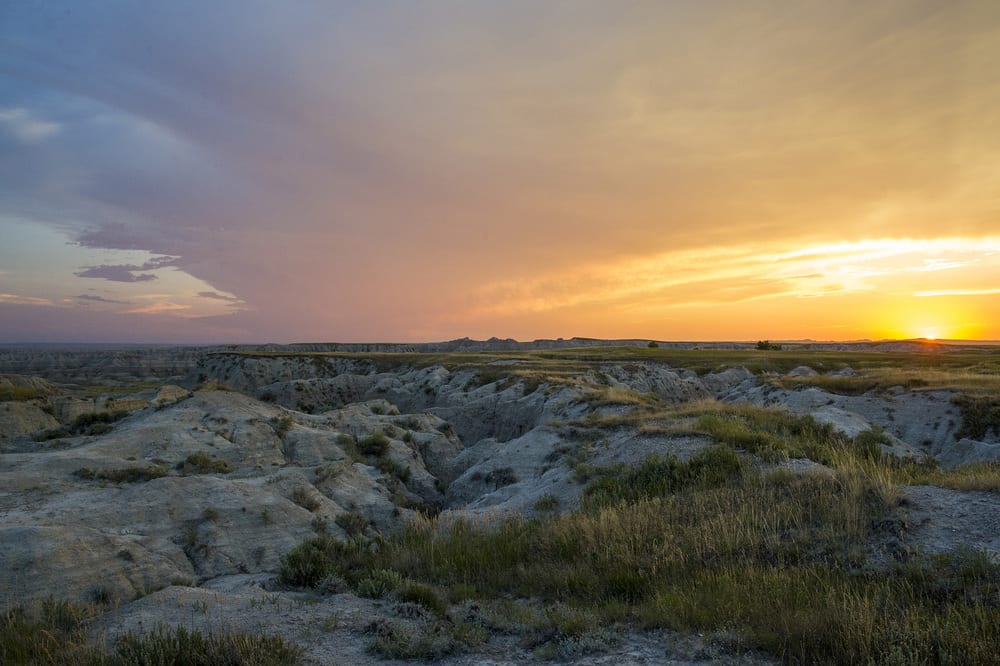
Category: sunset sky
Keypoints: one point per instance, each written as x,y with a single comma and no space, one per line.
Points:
254,171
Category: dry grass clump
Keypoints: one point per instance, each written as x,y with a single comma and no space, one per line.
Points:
977,476
53,633
134,474
203,463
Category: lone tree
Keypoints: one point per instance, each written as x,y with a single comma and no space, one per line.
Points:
767,345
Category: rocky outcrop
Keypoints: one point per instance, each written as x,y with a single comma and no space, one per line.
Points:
23,418
83,564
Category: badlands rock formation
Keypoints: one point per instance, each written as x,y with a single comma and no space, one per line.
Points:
196,484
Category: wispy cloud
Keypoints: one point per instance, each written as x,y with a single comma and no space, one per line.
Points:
736,274
24,300
127,272
26,127
101,299
160,308
957,292
603,163
220,297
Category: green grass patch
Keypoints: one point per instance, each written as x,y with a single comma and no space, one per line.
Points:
661,476
20,393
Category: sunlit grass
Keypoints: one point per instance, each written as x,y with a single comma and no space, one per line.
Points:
774,558
964,380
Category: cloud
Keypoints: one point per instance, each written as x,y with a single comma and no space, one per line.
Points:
405,161
159,308
219,297
22,125
956,292
101,299
127,272
735,274
15,299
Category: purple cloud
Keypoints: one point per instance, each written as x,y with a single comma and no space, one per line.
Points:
101,299
127,272
124,273
219,297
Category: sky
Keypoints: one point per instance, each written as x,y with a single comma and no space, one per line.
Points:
258,171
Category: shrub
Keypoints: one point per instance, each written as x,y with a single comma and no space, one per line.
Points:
308,563
501,476
424,595
394,641
375,444
379,583
389,466
99,429
282,424
979,416
350,447
203,463
305,499
53,433
352,522
84,421
325,472
653,344
547,503
135,474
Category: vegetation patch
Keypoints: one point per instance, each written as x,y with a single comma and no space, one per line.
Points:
54,633
282,424
389,466
352,522
350,447
980,416
706,545
203,463
305,499
375,444
662,476
135,474
180,646
20,393
501,476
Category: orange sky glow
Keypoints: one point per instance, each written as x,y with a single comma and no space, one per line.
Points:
254,171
